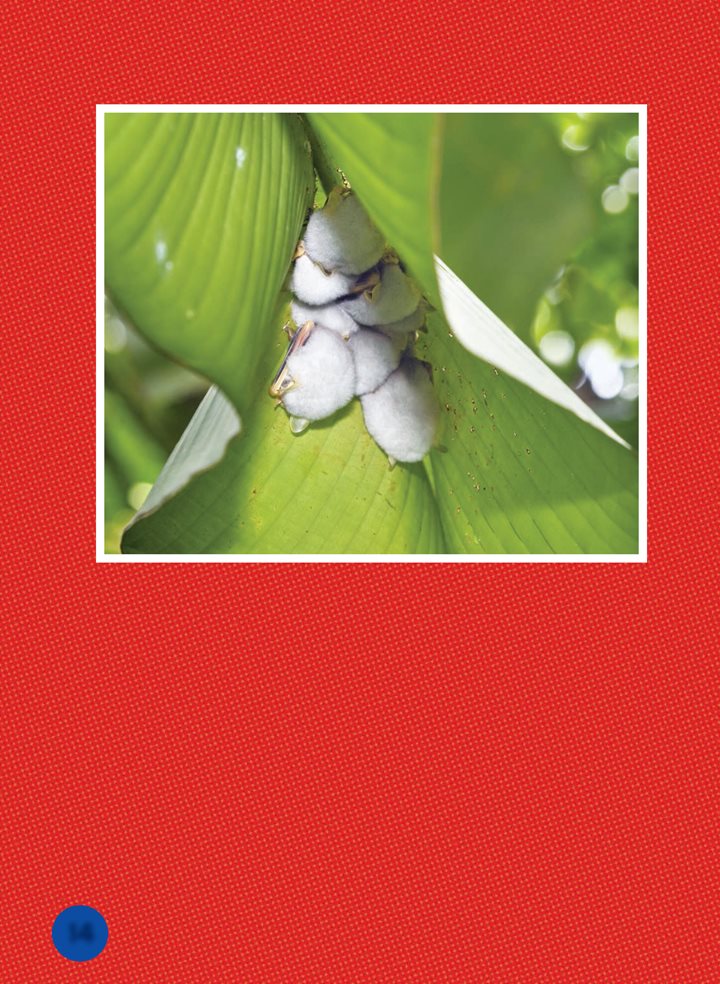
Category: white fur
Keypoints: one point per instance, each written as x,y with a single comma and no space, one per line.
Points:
323,373
330,316
402,416
395,297
311,284
376,356
341,236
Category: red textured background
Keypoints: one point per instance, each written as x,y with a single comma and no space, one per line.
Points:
354,773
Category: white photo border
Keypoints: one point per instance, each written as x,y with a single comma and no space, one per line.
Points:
639,557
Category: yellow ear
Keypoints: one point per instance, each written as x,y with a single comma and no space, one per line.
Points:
334,199
282,383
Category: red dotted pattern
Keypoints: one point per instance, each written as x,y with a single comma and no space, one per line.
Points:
354,773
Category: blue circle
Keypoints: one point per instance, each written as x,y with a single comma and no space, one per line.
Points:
79,933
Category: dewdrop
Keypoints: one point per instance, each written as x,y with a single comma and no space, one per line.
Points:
318,374
403,414
331,316
341,236
376,355
395,297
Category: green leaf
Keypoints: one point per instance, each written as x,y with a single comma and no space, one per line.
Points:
392,162
513,208
135,452
528,467
328,490
202,214
522,472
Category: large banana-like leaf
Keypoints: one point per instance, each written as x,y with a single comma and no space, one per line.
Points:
182,198
393,161
202,214
523,472
327,491
528,468
494,491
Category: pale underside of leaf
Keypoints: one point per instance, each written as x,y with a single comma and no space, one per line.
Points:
202,446
483,333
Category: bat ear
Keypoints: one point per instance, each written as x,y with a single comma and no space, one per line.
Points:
371,294
334,199
282,383
369,279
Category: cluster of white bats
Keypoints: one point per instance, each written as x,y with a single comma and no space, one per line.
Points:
357,316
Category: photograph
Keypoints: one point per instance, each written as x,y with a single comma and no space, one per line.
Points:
387,334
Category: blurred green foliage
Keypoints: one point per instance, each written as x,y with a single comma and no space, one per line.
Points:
148,403
538,215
